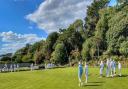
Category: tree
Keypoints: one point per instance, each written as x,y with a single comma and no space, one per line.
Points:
36,46
61,30
85,51
124,48
38,57
5,59
76,55
50,42
27,58
117,29
59,56
91,48
93,15
76,40
102,26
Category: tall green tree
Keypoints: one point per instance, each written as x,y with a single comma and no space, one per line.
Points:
49,44
93,15
124,48
38,57
59,56
117,28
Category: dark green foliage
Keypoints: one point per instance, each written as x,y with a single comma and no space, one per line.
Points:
38,57
124,48
93,15
59,55
5,59
118,31
49,45
91,48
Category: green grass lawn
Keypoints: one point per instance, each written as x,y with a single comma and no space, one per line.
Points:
64,78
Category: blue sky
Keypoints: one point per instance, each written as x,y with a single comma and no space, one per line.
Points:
28,21
112,3
12,16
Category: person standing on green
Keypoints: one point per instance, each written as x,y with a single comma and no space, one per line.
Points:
80,72
86,72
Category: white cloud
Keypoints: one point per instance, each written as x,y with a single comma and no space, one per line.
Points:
14,37
13,41
11,37
11,47
54,14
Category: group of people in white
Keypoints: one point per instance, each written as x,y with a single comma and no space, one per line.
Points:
110,69
11,68
49,65
16,67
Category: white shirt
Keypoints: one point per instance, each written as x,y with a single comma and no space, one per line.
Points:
102,65
86,66
86,69
119,65
111,64
108,63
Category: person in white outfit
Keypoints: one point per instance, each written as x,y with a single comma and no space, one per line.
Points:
14,67
119,68
108,67
114,67
6,67
11,68
101,69
111,67
86,72
17,66
32,67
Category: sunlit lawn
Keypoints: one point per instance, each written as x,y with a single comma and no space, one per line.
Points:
63,78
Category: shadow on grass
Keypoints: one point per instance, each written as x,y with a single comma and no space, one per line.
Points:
123,76
96,82
93,84
86,85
